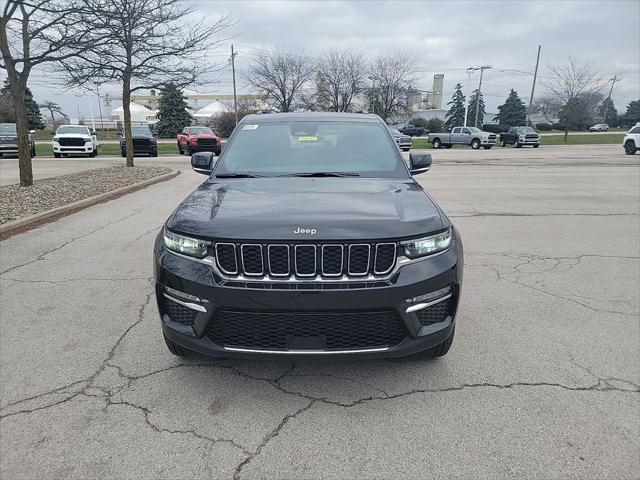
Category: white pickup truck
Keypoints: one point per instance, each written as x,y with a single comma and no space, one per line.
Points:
74,139
463,136
631,142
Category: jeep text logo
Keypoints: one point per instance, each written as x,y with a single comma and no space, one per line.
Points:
304,231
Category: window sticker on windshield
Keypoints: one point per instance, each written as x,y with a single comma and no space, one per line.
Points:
250,127
308,138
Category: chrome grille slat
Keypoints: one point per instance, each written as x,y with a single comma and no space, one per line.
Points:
306,261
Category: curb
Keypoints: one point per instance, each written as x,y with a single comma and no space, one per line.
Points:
27,223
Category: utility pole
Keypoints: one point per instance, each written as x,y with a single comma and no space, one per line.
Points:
606,105
533,87
466,97
233,69
482,69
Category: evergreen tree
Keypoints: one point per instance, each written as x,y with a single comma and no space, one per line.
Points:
632,115
172,113
513,112
34,117
607,111
455,115
471,110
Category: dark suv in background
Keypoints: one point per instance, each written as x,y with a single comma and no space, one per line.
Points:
144,143
310,237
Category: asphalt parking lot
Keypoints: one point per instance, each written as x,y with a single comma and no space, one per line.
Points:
542,381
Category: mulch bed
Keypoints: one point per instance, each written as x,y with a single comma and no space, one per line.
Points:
17,202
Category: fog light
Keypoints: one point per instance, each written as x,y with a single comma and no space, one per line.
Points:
428,299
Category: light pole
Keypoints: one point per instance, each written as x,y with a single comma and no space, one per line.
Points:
99,105
373,94
233,69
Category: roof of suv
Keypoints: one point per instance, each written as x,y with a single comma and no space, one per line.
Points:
311,116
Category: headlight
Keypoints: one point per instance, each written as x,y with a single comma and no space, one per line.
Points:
421,247
186,245
55,139
87,140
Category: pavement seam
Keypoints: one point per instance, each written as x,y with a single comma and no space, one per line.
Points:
68,242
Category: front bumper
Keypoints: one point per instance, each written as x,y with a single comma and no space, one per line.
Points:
197,285
205,148
487,141
86,148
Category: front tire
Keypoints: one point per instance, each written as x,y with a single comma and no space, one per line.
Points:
436,143
517,145
448,146
154,153
57,155
536,146
173,347
475,144
630,148
487,147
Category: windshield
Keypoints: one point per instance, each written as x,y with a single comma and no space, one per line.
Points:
9,128
140,130
73,129
526,130
198,130
290,148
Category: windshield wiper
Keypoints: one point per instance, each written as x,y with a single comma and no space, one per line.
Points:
237,175
322,174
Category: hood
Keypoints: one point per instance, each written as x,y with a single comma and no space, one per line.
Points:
72,135
337,208
204,135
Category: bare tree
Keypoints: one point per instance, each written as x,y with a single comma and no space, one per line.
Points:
548,106
53,108
572,81
345,75
392,77
143,44
280,75
34,33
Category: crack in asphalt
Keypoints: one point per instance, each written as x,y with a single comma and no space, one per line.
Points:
91,378
270,436
80,279
79,237
192,432
529,259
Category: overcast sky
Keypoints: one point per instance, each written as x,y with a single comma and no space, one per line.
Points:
444,37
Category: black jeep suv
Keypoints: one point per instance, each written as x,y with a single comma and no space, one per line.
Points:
310,237
143,141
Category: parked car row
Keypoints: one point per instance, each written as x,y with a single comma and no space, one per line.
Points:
9,140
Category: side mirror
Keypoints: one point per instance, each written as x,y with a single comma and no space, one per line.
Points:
202,162
419,163
31,132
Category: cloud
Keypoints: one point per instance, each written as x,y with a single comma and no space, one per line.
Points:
444,37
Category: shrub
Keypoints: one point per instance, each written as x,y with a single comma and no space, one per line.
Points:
434,125
558,126
419,122
544,127
495,128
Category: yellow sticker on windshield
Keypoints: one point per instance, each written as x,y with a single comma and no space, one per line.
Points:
308,138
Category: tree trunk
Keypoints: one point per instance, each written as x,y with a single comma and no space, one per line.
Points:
22,128
566,133
126,107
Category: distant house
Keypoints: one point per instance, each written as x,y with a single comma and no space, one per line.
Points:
139,114
210,111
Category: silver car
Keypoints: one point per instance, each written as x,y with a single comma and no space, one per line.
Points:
403,141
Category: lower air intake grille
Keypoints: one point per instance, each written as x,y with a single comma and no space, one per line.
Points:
180,314
435,313
287,330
